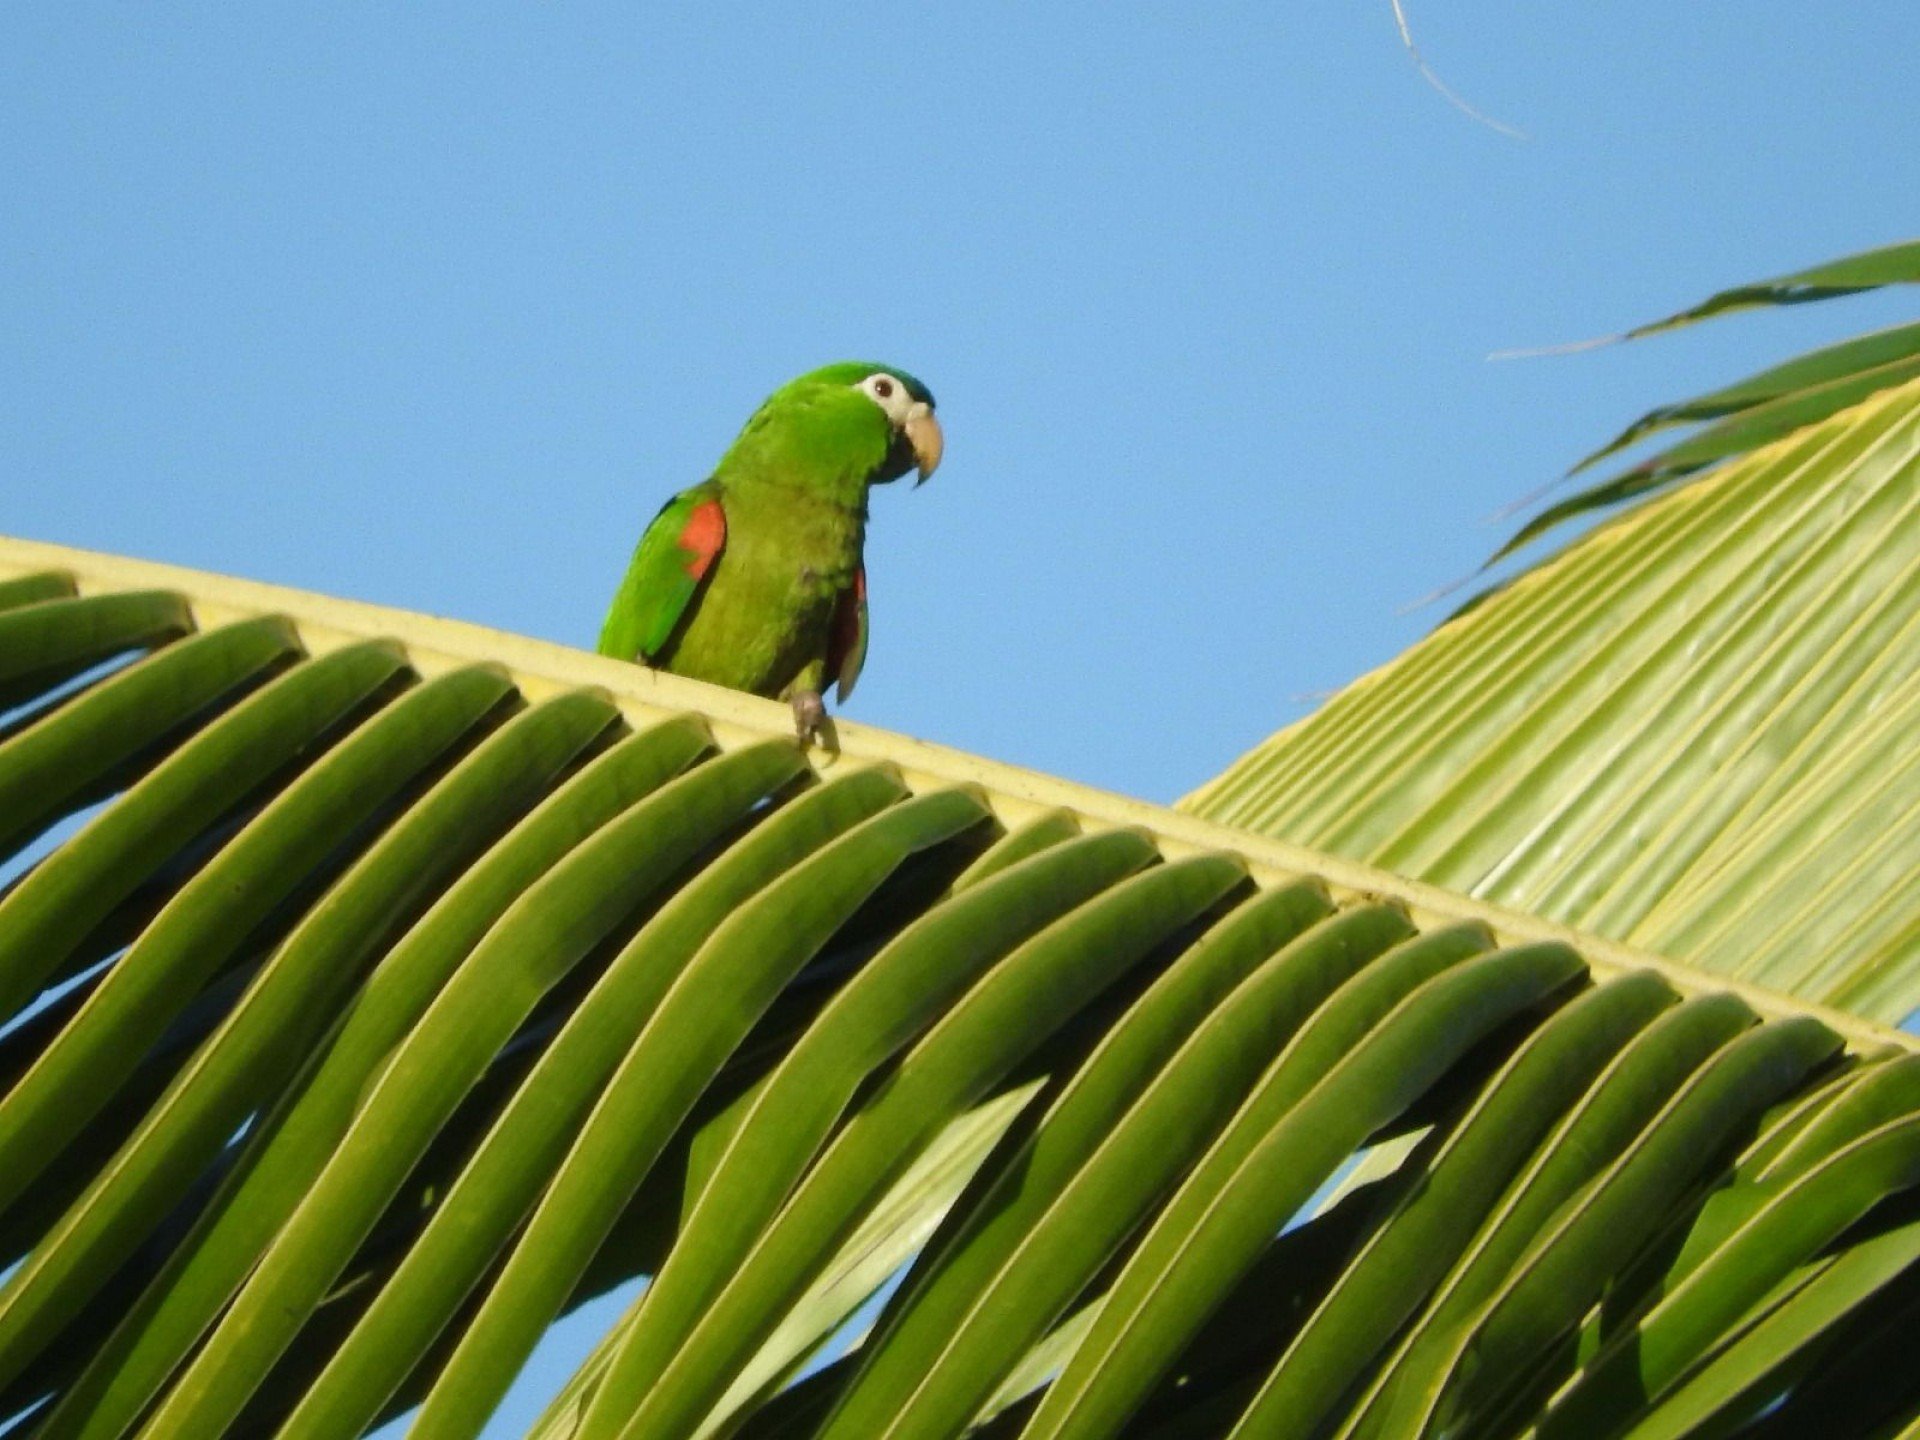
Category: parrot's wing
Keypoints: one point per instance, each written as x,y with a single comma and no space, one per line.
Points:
847,646
669,566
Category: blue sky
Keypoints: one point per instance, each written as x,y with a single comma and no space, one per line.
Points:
433,305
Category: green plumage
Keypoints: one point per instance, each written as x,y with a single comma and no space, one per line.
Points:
753,579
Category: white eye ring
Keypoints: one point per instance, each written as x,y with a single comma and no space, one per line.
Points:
889,394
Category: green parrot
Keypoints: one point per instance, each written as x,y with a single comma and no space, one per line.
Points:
754,577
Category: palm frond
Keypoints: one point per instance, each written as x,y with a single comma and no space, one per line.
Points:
381,988
1737,418
1687,732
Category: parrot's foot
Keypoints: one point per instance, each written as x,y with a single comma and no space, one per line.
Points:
809,713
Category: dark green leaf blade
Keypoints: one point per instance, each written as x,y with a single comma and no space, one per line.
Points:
1853,356
44,643
1896,264
1740,432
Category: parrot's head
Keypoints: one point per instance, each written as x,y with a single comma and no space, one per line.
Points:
876,408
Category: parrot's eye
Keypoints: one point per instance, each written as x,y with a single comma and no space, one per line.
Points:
889,394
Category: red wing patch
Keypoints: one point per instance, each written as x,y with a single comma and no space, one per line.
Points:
702,536
847,645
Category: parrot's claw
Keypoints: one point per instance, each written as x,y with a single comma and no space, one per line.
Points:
809,714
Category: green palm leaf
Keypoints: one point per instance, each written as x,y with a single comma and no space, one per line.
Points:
382,988
1763,407
1896,264
1689,731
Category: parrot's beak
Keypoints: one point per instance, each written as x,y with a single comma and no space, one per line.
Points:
923,433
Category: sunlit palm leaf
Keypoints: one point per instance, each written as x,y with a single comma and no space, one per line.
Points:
1690,731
